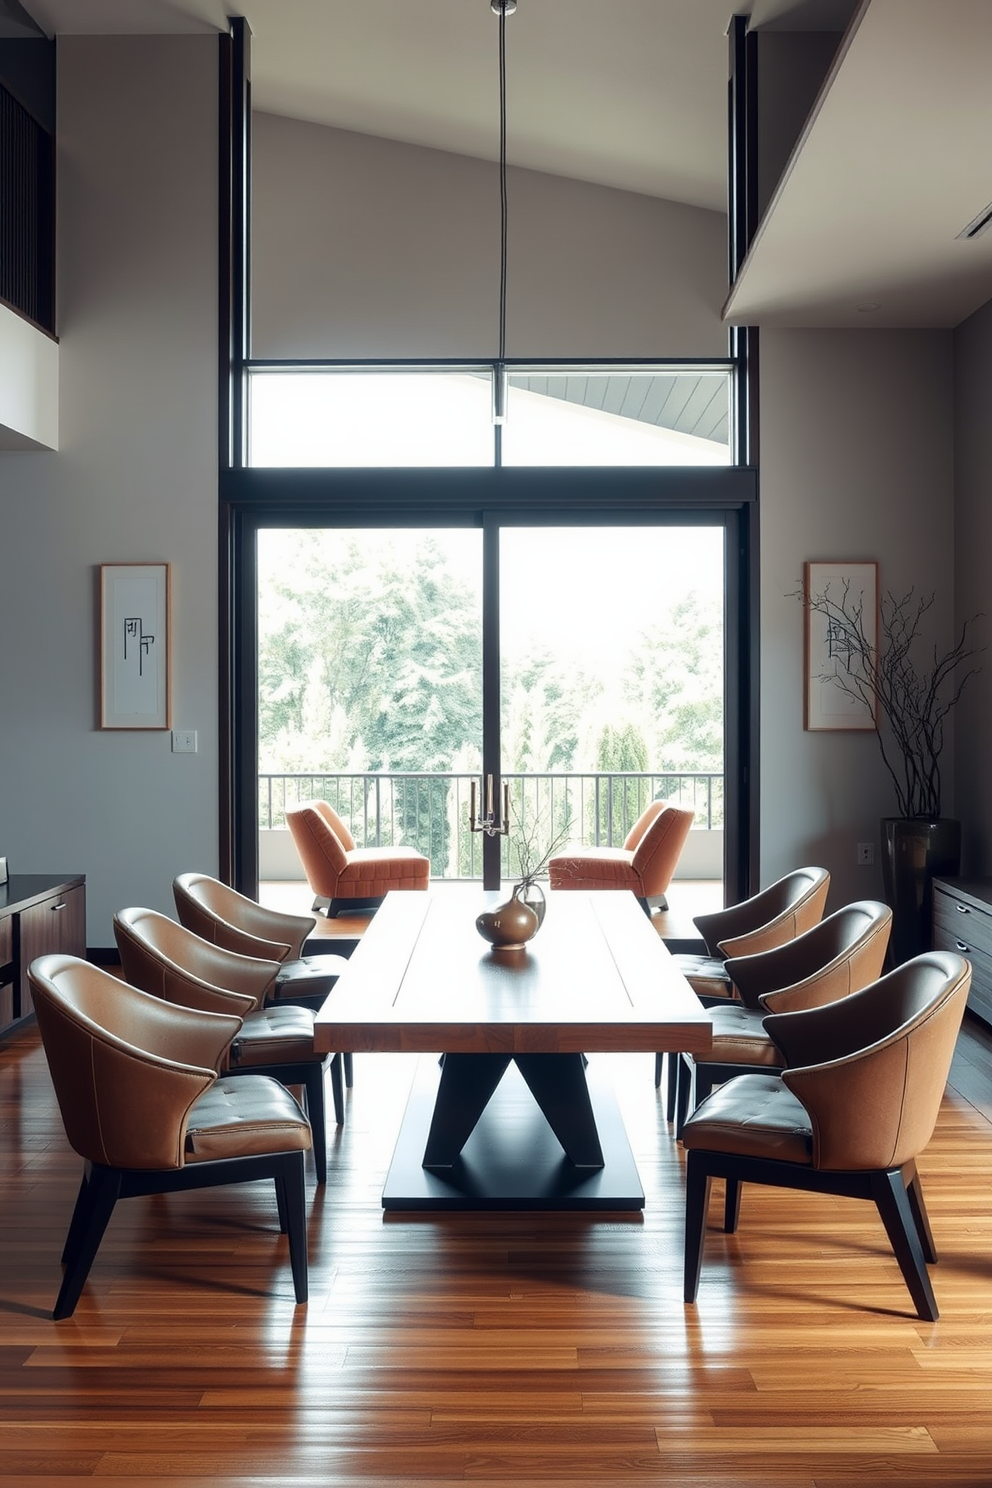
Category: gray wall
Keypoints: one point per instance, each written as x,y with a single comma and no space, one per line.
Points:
856,440
135,479
973,528
367,248
856,462
396,265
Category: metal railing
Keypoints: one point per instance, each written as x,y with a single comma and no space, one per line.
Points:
429,810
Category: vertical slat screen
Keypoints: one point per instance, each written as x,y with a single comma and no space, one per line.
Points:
27,214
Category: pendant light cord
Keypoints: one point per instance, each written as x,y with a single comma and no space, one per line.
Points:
502,184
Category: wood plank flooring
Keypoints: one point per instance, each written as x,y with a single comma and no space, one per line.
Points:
492,1349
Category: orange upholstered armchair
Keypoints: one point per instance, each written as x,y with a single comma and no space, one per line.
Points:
343,876
645,864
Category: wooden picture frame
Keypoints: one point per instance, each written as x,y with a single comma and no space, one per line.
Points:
827,706
135,646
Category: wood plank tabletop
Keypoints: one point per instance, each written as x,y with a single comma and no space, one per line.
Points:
596,978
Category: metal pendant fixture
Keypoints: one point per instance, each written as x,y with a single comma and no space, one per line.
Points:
501,9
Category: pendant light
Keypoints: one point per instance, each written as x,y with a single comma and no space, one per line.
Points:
501,9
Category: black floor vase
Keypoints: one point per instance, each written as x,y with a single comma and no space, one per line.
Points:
914,852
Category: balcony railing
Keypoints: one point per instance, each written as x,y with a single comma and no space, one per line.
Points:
430,811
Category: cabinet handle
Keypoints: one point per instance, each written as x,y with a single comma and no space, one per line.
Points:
961,945
962,909
58,906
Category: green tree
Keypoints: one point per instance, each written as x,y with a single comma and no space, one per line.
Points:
368,661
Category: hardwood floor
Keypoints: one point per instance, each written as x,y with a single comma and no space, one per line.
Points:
496,1349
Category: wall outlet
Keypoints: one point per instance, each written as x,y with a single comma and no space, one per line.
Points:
866,854
184,741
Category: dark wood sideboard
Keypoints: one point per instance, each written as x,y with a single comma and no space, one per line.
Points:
38,913
962,921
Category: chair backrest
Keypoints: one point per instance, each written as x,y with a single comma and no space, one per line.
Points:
219,913
882,1059
322,851
838,956
778,914
647,816
171,962
336,824
657,853
126,1067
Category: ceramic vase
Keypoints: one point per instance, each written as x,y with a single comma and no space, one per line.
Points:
510,926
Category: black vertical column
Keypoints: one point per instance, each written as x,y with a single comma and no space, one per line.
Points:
742,844
238,849
491,846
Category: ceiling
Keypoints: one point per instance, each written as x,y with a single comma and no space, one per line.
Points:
632,94
895,162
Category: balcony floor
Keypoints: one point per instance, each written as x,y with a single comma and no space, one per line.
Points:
686,897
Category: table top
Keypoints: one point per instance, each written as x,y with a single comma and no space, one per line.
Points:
597,977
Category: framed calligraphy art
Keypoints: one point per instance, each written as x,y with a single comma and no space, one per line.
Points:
135,682
841,608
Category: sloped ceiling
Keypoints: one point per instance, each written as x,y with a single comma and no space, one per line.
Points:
894,162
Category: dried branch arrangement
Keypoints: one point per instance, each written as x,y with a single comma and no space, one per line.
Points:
910,701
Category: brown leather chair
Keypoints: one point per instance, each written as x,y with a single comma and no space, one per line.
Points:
854,1108
645,864
343,876
169,961
778,914
785,909
142,1103
218,913
840,955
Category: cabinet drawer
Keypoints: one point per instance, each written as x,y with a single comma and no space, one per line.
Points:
961,921
980,995
56,924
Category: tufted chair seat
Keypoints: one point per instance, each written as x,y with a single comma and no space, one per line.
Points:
218,913
787,908
142,1103
169,961
342,875
838,956
856,1104
645,864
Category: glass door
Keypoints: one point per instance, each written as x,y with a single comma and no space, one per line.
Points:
611,675
556,677
370,687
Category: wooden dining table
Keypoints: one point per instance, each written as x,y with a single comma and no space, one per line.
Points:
509,1111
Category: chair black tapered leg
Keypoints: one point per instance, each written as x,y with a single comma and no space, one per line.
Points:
94,1206
683,1090
78,1221
337,1090
294,1204
281,1204
349,1070
659,1062
914,1193
732,1205
313,1084
889,1192
697,1199
672,1061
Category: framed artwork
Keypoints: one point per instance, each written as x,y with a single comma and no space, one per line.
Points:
135,685
841,608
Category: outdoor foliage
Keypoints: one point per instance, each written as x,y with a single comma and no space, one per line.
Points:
370,660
